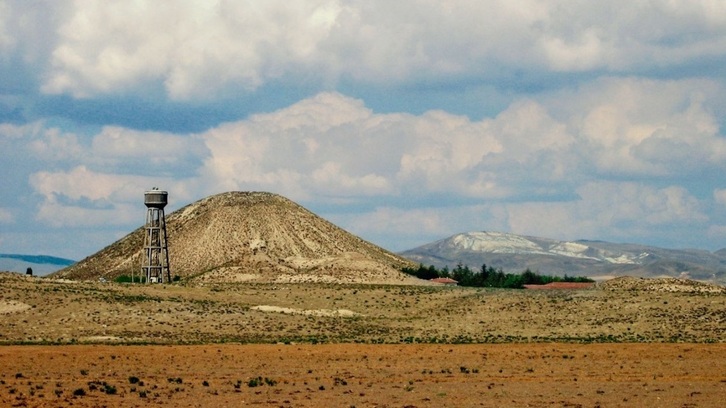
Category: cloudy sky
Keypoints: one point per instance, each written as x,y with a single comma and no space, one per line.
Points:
403,122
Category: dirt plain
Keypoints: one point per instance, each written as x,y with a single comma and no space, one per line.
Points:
356,375
626,342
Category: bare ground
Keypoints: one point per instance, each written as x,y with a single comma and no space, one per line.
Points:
627,342
501,375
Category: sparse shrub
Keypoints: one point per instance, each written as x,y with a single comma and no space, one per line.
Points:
79,392
109,389
254,382
128,279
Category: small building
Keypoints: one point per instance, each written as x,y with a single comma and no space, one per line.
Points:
445,281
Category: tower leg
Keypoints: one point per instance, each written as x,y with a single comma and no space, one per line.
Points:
155,260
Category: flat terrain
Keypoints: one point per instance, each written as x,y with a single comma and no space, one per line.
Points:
328,375
45,311
626,342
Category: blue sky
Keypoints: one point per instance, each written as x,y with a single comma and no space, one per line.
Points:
403,122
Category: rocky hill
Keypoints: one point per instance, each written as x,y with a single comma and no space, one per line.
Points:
595,259
250,236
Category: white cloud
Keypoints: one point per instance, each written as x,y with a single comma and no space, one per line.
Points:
342,149
193,48
6,216
717,233
54,145
421,221
636,126
82,183
63,216
146,152
549,157
9,131
7,41
332,148
333,145
720,196
82,197
204,49
617,209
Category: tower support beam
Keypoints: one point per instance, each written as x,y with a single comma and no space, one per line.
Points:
155,259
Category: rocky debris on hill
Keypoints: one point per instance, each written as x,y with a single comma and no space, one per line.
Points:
661,285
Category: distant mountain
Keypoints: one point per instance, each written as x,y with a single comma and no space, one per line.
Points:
251,236
595,259
41,264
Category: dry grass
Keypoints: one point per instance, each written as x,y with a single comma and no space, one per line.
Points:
538,362
53,311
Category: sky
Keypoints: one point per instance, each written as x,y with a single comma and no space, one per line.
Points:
402,122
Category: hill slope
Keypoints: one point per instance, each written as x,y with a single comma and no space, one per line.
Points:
239,236
594,259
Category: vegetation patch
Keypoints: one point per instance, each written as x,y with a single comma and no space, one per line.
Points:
488,277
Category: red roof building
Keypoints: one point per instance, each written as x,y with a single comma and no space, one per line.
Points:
445,281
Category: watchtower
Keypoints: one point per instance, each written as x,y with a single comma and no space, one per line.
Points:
155,262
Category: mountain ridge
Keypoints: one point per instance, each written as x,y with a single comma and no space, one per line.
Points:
595,259
40,264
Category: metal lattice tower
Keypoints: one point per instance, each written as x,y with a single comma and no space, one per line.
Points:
155,261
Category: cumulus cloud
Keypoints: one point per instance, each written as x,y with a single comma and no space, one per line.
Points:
343,149
330,148
147,152
81,197
195,50
55,145
6,216
63,216
81,183
597,120
644,127
333,143
6,39
542,167
720,196
617,209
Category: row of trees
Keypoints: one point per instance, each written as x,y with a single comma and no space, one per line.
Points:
488,277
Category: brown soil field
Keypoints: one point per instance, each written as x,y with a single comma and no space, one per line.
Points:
625,342
350,375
